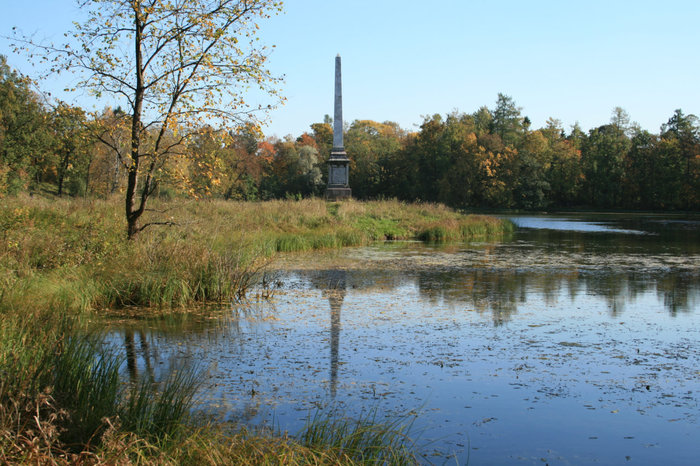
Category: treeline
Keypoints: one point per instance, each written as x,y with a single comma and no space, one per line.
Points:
491,158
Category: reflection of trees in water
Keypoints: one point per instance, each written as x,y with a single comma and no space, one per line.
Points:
683,241
157,348
679,292
483,289
502,291
613,287
133,355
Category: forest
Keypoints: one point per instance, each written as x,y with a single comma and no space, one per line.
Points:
489,159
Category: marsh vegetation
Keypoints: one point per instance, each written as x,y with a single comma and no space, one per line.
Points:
65,264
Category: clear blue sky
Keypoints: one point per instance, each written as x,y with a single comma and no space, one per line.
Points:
402,59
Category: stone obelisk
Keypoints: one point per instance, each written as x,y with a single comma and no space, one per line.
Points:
338,170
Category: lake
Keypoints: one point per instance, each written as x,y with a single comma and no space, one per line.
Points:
576,340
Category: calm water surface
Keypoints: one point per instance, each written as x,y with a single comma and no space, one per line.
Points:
575,341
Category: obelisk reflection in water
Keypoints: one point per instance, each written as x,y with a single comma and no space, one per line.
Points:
334,291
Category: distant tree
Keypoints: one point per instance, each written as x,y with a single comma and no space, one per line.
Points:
284,169
577,136
507,122
654,173
71,147
209,171
457,183
175,64
482,120
307,140
564,172
460,186
369,145
685,130
323,135
402,176
432,155
531,190
24,136
111,131
620,119
244,166
499,176
681,126
603,157
295,168
309,169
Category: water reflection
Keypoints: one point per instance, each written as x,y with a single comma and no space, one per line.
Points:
501,292
130,354
148,343
133,356
333,284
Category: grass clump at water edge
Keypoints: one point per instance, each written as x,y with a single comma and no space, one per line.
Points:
361,440
61,396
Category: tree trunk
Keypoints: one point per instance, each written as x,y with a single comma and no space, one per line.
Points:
62,174
87,177
133,213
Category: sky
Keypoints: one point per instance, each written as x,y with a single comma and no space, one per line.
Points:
403,59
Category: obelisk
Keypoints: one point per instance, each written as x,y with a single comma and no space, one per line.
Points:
338,171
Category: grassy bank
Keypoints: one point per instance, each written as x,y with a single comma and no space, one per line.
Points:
70,255
61,400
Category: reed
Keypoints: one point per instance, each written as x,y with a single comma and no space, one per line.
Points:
159,411
361,440
84,380
60,387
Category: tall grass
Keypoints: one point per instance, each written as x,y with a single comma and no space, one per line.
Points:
361,440
60,388
155,411
84,380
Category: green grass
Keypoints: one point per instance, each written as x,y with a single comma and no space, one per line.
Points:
155,411
60,387
362,440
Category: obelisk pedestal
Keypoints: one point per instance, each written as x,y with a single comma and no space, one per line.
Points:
338,170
